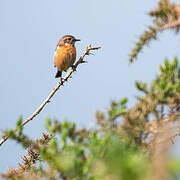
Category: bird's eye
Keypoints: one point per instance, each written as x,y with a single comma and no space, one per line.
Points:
69,39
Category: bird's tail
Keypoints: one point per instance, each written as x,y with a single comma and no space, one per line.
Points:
58,74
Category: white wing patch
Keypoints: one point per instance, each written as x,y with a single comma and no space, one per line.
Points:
55,53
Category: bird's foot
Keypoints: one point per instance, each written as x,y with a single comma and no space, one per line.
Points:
84,62
73,67
62,81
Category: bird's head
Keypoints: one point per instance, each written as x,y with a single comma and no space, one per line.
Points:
68,40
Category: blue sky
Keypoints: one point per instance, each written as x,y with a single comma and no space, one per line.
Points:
30,31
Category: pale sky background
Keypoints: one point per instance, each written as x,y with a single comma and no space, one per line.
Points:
29,32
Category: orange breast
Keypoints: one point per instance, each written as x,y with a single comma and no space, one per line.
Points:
65,57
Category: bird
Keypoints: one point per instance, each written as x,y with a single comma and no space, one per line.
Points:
65,54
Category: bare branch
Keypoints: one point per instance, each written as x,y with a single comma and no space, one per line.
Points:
169,138
59,84
174,24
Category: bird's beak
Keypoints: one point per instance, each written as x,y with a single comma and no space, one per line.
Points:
77,40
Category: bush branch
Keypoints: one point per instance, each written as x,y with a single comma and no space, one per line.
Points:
59,84
169,138
174,24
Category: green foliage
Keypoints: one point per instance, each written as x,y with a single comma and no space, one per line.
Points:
168,80
141,86
113,154
118,109
99,156
144,39
174,168
19,126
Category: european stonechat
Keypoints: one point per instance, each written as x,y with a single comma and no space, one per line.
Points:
65,54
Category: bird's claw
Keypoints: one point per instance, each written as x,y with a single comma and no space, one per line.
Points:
89,53
62,81
84,62
73,67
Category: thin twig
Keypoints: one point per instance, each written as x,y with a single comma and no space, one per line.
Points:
169,138
59,84
170,25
